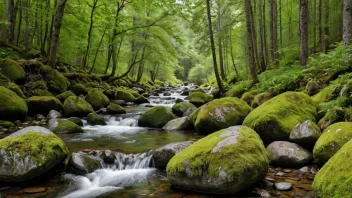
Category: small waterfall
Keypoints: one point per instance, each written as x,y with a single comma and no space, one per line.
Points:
129,170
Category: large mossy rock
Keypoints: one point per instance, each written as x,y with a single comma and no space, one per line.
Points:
156,117
334,178
12,107
79,89
29,153
62,126
199,98
63,96
275,119
77,107
95,119
224,162
219,114
43,105
12,70
97,99
57,83
331,141
113,108
180,108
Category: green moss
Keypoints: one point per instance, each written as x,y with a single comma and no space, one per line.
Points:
62,97
77,107
326,94
239,88
40,147
199,98
333,115
181,107
247,154
66,126
275,119
42,92
115,109
249,96
12,70
97,99
79,89
156,117
260,99
125,94
33,53
95,119
57,83
40,84
12,107
193,116
332,139
221,113
6,124
334,179
15,88
43,104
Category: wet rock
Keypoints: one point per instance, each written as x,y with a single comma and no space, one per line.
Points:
108,157
95,119
43,105
262,193
178,124
268,120
202,167
189,111
305,134
180,108
199,98
63,96
115,109
219,114
97,99
39,117
53,114
34,190
167,93
163,155
29,153
156,117
304,169
178,100
83,163
185,93
287,154
331,141
119,102
62,126
283,186
79,89
77,107
76,120
6,124
101,111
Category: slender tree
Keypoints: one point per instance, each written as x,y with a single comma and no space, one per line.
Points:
11,17
347,22
273,32
89,39
213,50
54,46
303,24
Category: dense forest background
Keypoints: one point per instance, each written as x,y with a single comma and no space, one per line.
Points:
169,40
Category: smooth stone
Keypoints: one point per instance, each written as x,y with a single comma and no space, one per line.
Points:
283,186
33,190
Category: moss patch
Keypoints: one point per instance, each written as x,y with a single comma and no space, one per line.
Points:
332,139
43,104
97,99
275,119
12,107
12,70
77,107
62,97
57,83
156,117
199,98
181,107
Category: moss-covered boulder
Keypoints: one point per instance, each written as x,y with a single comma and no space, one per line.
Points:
43,105
29,153
333,115
327,94
77,107
219,114
97,99
12,107
275,119
180,108
260,99
56,82
178,124
199,98
12,70
79,89
224,162
156,117
42,92
334,178
15,88
63,96
95,119
62,126
113,108
332,139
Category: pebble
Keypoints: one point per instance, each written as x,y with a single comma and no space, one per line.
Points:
283,186
280,173
33,190
287,171
262,193
304,169
4,188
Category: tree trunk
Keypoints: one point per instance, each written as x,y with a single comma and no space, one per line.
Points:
314,26
28,30
42,48
85,58
97,51
56,33
212,43
109,59
232,56
51,28
265,37
221,58
320,25
273,33
251,58
325,43
20,7
261,38
11,17
303,15
347,22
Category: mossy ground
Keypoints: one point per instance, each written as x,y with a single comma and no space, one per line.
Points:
40,147
247,154
335,178
331,141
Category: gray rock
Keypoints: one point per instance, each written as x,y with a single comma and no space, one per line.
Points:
119,102
163,155
178,124
108,157
167,93
283,186
63,126
83,163
287,154
53,114
76,120
189,111
262,193
305,134
29,153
